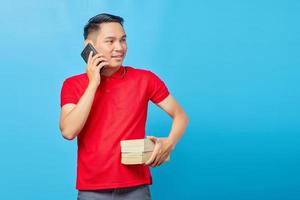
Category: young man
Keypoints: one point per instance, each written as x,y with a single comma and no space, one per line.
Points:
101,109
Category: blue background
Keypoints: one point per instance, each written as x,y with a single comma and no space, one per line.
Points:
233,66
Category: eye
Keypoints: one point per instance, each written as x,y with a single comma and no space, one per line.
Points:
109,41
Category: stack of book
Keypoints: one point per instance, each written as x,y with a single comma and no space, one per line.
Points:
136,151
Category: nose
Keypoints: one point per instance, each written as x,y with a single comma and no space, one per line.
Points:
118,46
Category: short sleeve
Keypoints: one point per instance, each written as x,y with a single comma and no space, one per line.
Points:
157,89
68,94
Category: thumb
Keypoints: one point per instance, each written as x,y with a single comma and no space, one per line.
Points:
154,139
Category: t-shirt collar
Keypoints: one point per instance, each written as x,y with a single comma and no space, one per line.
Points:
117,75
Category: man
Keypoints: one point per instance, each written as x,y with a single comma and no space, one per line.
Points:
103,108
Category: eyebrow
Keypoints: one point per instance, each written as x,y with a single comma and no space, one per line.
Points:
111,37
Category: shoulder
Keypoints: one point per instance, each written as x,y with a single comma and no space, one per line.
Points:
79,78
142,73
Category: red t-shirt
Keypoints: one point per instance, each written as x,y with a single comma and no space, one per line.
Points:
119,112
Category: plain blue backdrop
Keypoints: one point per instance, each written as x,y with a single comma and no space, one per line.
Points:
233,65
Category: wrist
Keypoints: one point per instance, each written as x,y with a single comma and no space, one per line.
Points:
92,87
171,142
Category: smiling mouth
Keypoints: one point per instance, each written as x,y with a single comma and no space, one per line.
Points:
117,57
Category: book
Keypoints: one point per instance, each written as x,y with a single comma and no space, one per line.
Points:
137,151
137,145
135,158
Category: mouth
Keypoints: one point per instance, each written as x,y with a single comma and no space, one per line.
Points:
118,57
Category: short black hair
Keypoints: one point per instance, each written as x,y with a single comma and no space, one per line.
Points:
93,24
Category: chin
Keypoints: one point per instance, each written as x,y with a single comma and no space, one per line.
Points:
113,65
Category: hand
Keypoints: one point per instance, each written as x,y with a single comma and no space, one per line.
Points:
162,149
94,65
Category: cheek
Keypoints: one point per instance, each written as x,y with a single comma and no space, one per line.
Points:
104,49
107,52
125,47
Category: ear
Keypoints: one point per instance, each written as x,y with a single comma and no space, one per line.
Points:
88,41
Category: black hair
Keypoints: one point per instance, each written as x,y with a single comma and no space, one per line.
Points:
93,24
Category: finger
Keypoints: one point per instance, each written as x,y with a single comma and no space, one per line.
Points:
156,149
102,65
155,153
98,55
165,156
157,159
99,61
90,57
158,163
151,159
154,163
160,158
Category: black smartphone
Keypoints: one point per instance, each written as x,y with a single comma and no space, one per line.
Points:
86,52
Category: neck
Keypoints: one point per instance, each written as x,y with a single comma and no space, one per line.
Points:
108,71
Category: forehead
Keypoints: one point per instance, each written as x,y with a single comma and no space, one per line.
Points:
112,29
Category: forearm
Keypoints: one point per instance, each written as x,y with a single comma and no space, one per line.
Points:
180,121
163,146
73,123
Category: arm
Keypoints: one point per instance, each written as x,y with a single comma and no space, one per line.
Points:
74,116
164,146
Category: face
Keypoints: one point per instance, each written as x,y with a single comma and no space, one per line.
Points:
111,41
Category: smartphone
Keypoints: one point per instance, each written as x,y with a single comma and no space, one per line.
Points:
86,52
